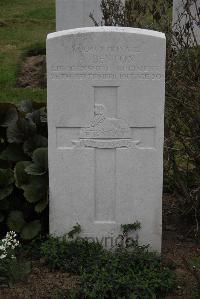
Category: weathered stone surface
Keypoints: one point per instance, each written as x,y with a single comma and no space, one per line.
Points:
181,17
105,116
76,13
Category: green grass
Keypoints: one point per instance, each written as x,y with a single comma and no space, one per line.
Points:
23,24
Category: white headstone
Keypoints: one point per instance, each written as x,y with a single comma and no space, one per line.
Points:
181,17
106,91
76,13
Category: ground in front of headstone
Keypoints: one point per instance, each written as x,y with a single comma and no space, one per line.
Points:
180,248
43,283
32,73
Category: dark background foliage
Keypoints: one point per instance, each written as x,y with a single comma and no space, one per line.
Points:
23,169
182,114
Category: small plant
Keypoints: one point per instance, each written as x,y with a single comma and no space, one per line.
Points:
126,238
70,255
126,228
10,269
76,230
122,272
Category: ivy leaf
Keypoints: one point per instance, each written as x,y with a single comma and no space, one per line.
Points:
33,143
13,152
6,177
31,230
8,114
15,221
20,131
5,192
40,162
21,177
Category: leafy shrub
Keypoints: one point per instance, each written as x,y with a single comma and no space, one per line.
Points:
23,169
70,255
124,272
182,130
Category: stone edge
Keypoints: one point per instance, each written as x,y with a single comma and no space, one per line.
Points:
106,29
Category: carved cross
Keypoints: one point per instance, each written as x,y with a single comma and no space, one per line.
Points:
106,135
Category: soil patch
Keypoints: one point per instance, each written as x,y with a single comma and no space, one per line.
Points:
178,246
33,72
42,284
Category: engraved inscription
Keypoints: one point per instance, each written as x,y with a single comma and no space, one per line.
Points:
96,62
100,76
109,49
126,143
90,67
105,127
84,46
89,60
124,70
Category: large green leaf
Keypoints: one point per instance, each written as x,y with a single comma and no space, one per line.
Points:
21,130
13,152
21,177
15,221
33,143
31,230
34,117
40,162
8,114
2,217
5,204
6,177
35,112
5,192
41,206
31,193
36,190
29,106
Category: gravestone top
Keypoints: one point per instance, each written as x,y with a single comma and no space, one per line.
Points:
111,29
106,124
